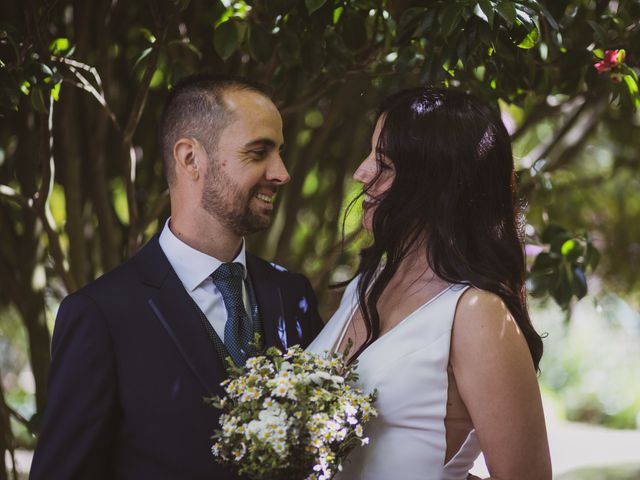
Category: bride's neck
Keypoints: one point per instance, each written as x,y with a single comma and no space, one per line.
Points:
415,264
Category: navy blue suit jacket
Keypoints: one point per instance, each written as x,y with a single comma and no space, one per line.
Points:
132,363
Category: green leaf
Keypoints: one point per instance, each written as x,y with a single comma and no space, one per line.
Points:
337,13
450,18
552,231
260,43
544,264
290,51
226,39
530,40
148,34
409,21
539,284
314,5
555,246
600,33
572,249
55,91
562,290
592,257
59,46
488,8
507,10
37,100
145,53
632,86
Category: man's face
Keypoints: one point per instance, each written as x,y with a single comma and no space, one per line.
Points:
246,169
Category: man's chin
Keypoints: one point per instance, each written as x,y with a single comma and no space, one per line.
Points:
257,222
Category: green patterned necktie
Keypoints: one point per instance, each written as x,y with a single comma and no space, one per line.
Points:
238,331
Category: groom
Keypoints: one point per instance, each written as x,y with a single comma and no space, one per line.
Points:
135,352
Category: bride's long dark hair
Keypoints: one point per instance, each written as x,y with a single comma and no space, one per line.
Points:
455,186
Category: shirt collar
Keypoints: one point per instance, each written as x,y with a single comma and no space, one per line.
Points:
192,266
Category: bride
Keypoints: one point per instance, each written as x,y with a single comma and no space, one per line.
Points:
437,312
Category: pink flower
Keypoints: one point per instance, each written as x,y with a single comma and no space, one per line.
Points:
614,57
611,59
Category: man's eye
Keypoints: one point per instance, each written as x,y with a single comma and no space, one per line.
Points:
259,153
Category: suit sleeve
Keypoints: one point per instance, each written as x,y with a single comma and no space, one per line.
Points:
313,321
78,429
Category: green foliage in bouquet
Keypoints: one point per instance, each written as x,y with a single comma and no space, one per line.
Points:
293,415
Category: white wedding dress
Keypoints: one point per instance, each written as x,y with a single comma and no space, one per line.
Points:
408,367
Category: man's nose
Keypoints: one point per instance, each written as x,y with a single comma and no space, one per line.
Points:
277,172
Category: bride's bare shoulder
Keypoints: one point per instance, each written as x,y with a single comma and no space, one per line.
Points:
483,321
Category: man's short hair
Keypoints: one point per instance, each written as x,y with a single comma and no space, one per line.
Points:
195,108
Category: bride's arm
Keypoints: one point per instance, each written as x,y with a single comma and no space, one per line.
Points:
498,385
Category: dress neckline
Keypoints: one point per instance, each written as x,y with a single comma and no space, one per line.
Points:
354,309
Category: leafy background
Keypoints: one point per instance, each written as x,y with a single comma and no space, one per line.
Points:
81,187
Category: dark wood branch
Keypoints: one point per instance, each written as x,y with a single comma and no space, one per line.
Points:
41,203
540,111
545,150
16,415
161,204
127,138
571,151
83,83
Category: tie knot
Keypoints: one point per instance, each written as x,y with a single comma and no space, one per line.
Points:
227,272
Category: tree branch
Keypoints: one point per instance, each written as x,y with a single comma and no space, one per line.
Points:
43,207
127,138
84,84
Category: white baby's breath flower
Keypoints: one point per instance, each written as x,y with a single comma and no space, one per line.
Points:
283,398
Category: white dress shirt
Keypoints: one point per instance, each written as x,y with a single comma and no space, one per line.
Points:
194,268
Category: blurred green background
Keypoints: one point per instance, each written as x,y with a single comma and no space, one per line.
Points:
81,188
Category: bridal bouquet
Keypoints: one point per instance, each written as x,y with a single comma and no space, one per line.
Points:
291,416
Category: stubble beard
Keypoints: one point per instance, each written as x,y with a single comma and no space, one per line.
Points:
223,199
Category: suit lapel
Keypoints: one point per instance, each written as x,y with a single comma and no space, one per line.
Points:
172,307
274,304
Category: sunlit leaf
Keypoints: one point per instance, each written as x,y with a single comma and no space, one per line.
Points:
572,249
55,91
59,46
145,53
337,13
530,40
488,8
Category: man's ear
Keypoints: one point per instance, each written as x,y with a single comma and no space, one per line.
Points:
187,155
